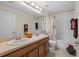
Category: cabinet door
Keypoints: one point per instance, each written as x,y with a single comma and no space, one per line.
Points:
46,48
41,51
33,53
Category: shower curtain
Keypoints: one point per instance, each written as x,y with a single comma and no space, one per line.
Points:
48,26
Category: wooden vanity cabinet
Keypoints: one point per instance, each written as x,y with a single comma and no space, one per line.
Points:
23,51
36,49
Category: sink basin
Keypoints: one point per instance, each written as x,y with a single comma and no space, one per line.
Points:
16,42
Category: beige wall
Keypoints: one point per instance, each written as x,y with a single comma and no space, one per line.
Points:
20,17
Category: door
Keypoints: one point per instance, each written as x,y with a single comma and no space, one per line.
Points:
41,50
46,48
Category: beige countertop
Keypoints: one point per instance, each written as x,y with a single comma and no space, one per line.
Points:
5,48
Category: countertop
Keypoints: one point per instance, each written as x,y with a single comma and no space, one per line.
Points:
5,49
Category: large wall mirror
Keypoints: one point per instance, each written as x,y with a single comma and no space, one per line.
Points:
7,24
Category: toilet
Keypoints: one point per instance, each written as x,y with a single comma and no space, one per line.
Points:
52,44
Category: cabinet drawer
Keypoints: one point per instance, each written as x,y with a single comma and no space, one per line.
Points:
42,41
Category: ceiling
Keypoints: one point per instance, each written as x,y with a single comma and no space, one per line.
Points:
20,7
54,7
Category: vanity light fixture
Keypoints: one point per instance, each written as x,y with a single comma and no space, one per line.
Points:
34,5
32,8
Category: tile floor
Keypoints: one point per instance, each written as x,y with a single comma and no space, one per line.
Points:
58,53
61,53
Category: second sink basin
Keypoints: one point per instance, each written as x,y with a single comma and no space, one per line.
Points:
16,42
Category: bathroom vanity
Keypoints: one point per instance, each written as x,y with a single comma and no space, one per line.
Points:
34,47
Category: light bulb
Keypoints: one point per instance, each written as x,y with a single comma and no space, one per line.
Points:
37,7
40,9
32,4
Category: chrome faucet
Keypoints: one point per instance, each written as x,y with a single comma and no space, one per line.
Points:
16,37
